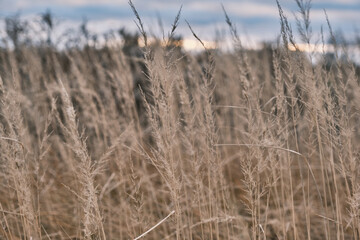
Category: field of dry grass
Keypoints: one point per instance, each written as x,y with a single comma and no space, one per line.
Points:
105,143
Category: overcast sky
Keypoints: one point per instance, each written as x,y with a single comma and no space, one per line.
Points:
256,20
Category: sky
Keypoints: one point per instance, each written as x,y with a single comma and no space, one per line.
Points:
256,20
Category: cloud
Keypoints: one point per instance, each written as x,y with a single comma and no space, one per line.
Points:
257,18
70,3
240,8
100,26
343,2
252,9
350,16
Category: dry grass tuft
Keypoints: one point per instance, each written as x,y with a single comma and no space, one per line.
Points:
156,143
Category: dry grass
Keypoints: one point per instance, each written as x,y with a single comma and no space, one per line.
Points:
99,144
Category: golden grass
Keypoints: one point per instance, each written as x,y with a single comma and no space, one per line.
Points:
97,144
